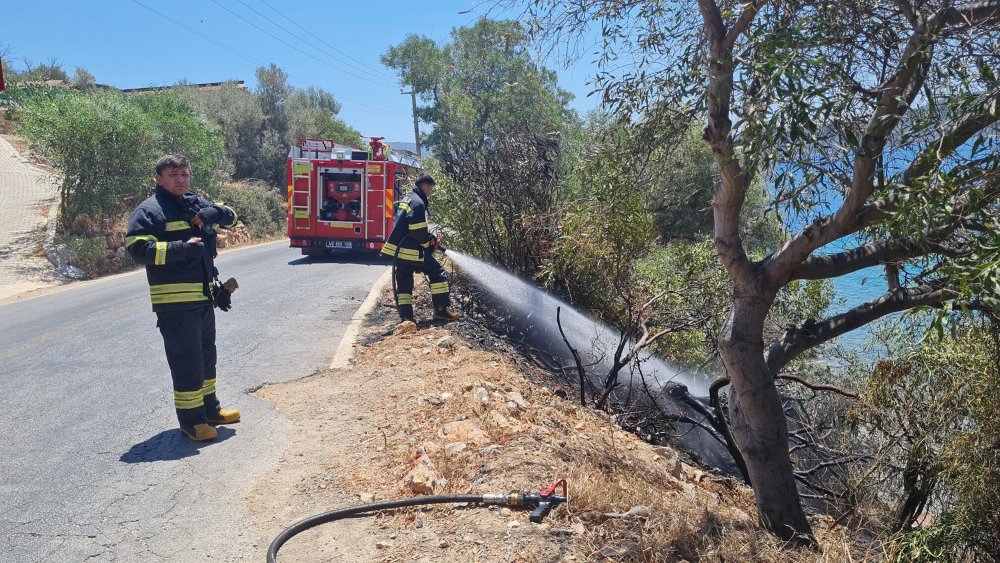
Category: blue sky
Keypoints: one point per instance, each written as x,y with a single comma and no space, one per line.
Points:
126,45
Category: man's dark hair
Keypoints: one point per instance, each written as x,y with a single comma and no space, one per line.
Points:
171,161
425,179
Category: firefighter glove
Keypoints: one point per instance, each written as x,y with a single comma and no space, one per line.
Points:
209,215
223,299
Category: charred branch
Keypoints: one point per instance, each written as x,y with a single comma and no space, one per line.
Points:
722,424
576,358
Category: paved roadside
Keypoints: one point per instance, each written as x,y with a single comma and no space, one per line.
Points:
92,466
26,193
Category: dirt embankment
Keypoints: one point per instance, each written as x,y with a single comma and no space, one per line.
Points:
433,410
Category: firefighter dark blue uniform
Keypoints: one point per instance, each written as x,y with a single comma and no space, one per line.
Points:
411,245
180,286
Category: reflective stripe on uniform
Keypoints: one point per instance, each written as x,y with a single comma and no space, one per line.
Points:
233,211
178,298
161,254
404,206
426,244
409,254
129,241
177,293
177,226
184,400
174,288
421,225
209,387
439,287
404,299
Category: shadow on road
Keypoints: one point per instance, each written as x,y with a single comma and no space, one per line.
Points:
343,257
170,445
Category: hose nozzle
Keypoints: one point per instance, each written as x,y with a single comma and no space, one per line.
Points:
541,502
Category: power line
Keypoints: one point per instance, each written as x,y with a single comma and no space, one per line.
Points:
377,76
251,58
311,34
282,41
200,34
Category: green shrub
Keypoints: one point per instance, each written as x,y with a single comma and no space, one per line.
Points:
89,254
179,129
101,144
260,208
105,144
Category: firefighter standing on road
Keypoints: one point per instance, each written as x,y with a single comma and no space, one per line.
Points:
412,247
171,233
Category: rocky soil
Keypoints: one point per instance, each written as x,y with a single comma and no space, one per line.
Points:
432,411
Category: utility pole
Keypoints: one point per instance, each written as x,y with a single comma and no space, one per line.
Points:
416,128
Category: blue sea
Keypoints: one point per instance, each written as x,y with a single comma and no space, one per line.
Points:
853,290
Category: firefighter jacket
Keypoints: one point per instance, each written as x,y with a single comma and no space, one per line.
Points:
179,273
409,234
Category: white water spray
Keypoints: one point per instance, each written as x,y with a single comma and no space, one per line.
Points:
595,341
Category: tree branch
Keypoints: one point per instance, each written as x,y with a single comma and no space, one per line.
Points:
730,191
976,12
576,357
816,386
827,266
946,144
906,9
898,92
722,424
742,23
811,333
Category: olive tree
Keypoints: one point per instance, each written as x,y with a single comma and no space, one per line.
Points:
875,122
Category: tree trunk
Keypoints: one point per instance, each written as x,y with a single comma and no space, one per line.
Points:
757,418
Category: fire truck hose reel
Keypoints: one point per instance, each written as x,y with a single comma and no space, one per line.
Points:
541,504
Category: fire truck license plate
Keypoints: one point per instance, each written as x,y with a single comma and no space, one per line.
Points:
338,244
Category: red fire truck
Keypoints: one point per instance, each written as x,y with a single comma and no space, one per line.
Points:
342,197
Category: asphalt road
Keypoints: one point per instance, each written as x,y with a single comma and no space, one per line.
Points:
91,465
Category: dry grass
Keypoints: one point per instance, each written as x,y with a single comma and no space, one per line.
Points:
693,516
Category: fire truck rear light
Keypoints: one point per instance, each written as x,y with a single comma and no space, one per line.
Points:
301,242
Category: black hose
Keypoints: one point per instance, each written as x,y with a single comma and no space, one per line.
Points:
340,514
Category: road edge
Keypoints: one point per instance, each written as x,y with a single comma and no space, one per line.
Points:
345,350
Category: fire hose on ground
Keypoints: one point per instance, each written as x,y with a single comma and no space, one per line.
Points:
541,504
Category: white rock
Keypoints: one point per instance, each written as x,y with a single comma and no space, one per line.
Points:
454,448
423,479
481,396
467,431
517,399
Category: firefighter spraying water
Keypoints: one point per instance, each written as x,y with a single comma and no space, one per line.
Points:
412,246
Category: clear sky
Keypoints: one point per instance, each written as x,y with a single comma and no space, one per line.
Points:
125,44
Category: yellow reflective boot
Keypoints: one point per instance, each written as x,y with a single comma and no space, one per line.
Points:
200,432
224,416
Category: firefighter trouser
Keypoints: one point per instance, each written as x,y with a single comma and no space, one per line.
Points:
189,339
404,284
